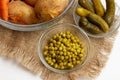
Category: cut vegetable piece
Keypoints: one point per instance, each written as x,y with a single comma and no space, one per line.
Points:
31,2
4,9
49,9
21,13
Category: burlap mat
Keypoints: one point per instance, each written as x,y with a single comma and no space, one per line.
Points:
22,46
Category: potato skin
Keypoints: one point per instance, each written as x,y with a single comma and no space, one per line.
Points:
31,2
49,9
21,13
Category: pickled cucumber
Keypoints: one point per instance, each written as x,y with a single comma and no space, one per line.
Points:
85,4
99,9
82,12
110,12
94,18
85,24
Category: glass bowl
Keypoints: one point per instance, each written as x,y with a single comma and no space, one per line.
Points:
38,26
115,25
57,28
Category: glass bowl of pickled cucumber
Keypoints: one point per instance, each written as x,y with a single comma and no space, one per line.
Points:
97,21
64,48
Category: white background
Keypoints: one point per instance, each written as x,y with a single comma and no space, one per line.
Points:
10,70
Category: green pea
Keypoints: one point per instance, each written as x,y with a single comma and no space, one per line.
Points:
46,58
55,65
64,50
58,42
62,57
59,57
68,53
66,57
82,51
78,58
75,62
67,44
68,32
62,67
74,59
45,53
55,48
46,47
64,53
54,41
69,40
64,40
52,48
51,44
61,64
75,53
60,39
72,38
51,63
54,60
72,49
53,55
82,46
70,60
54,37
68,36
69,64
61,53
82,58
63,35
70,56
78,62
62,45
78,50
60,48
81,55
65,63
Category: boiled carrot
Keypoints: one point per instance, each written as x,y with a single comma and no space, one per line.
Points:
4,9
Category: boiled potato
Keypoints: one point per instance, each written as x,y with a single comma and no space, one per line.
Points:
21,13
31,2
48,9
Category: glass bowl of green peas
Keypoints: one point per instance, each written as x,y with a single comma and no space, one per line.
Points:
64,48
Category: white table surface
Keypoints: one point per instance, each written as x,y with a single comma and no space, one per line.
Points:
10,70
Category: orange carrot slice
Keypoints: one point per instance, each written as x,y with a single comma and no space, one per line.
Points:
4,9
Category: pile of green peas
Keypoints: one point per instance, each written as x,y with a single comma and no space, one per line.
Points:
64,51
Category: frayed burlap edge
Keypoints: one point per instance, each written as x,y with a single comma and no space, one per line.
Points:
22,46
